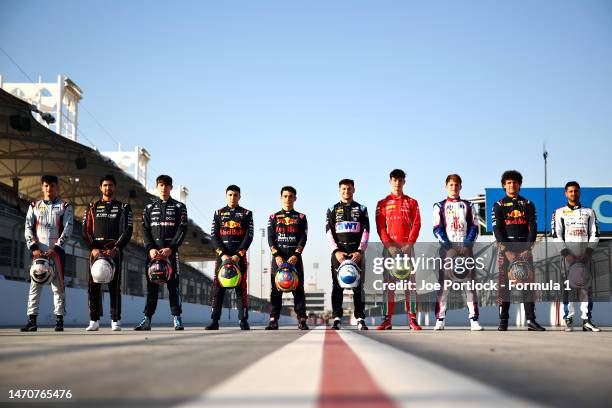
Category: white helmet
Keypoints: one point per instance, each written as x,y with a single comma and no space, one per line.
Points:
348,274
41,271
458,272
578,275
102,269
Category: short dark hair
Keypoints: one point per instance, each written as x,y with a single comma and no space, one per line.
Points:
164,179
511,175
397,174
289,189
233,187
49,179
346,182
572,184
453,177
108,177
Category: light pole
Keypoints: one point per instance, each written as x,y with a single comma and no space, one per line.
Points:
545,156
261,255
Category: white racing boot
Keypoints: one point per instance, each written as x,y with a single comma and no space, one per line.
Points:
475,326
94,325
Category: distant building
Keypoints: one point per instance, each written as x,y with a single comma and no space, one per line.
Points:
133,163
60,99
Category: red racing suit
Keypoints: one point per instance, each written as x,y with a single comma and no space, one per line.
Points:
398,223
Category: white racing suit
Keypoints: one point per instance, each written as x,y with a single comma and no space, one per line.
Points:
455,225
576,232
49,225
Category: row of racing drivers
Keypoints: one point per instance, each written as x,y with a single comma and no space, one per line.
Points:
107,228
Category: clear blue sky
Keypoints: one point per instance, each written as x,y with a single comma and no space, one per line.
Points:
269,93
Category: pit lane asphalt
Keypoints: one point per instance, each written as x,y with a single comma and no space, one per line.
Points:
554,368
164,367
157,368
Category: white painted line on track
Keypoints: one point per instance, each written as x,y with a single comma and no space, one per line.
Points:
412,381
288,377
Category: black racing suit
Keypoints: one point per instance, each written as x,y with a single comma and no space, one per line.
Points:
515,228
232,234
164,225
107,225
348,229
287,233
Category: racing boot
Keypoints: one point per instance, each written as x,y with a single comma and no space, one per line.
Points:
272,324
94,325
178,323
532,325
336,325
475,326
361,324
503,325
30,325
588,325
439,324
385,324
59,323
145,324
115,325
569,323
414,325
302,325
244,324
214,325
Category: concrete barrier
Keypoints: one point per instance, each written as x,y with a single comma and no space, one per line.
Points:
14,300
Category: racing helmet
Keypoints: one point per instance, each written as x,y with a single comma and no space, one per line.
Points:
458,272
229,274
348,274
402,270
520,271
102,268
578,275
41,271
160,270
286,279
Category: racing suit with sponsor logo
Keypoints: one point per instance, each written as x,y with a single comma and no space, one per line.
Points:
455,226
107,225
48,225
232,234
398,222
515,229
287,234
348,230
164,225
576,232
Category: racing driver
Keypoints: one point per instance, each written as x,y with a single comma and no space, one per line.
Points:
164,225
456,228
231,234
287,234
348,230
576,231
107,228
515,229
398,222
48,228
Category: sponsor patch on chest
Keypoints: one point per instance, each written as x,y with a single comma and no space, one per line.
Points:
348,226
